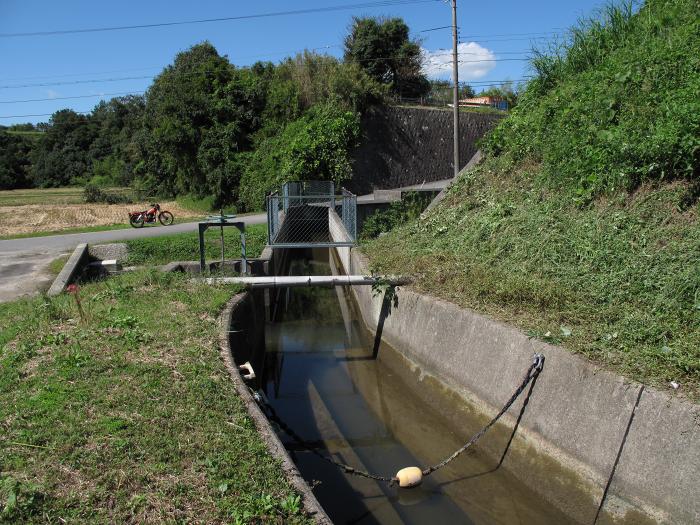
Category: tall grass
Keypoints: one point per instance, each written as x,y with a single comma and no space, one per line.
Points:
615,103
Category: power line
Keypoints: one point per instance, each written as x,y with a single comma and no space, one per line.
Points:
434,29
123,93
118,79
513,34
366,5
327,46
480,40
42,114
74,82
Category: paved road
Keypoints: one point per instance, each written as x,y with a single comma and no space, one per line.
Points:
24,262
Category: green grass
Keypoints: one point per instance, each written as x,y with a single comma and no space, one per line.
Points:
130,415
72,195
582,226
57,264
84,229
185,246
617,281
615,104
203,205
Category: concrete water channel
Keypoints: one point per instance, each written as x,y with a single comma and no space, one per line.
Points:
361,403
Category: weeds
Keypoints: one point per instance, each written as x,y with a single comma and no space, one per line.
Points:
618,281
614,104
125,418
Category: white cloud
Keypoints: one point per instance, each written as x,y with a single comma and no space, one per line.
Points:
475,62
51,93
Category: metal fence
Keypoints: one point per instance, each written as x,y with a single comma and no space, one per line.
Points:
309,214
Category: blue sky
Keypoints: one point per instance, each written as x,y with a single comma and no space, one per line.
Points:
493,41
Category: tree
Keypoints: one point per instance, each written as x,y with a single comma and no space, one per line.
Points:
61,156
441,92
316,146
383,49
14,161
113,154
505,91
199,114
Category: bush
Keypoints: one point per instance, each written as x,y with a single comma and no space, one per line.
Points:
381,221
93,193
314,147
614,105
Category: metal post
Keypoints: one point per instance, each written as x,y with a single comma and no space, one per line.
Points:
244,259
455,94
202,229
221,212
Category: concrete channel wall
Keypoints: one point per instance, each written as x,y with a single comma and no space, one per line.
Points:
239,323
577,419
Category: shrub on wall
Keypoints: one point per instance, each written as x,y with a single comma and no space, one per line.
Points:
313,147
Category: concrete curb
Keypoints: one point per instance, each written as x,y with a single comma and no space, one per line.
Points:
577,416
70,270
476,159
274,445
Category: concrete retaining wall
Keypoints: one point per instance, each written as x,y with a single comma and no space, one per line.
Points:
407,146
577,416
70,270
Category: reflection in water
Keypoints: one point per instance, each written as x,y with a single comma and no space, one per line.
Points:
323,379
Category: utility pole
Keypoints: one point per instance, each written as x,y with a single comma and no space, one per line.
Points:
455,94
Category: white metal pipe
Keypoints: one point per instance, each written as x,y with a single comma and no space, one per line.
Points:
306,280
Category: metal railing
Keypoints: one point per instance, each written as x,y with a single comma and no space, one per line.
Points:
309,214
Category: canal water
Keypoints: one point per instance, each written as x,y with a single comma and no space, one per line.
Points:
362,406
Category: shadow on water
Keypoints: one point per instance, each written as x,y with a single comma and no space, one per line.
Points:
326,378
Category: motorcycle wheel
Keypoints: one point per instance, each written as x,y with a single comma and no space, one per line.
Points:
166,218
136,221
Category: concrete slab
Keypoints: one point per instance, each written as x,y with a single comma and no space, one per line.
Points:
70,270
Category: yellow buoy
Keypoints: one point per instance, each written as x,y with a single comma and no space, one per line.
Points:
409,477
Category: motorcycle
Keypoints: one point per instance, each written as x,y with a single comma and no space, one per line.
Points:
138,218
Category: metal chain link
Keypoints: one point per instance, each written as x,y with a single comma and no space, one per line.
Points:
272,414
532,372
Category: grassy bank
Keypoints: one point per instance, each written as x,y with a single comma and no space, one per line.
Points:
121,418
582,225
617,281
185,246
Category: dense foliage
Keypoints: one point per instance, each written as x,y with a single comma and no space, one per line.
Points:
199,115
15,165
384,49
616,104
313,147
209,130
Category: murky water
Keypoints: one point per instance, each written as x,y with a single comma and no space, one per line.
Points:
355,403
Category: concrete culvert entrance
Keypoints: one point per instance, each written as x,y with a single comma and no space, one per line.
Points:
360,404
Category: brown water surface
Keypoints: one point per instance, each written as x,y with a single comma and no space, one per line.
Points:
324,379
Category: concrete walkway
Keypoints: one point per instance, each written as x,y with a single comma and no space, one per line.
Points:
24,262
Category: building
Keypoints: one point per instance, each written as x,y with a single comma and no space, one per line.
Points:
480,102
